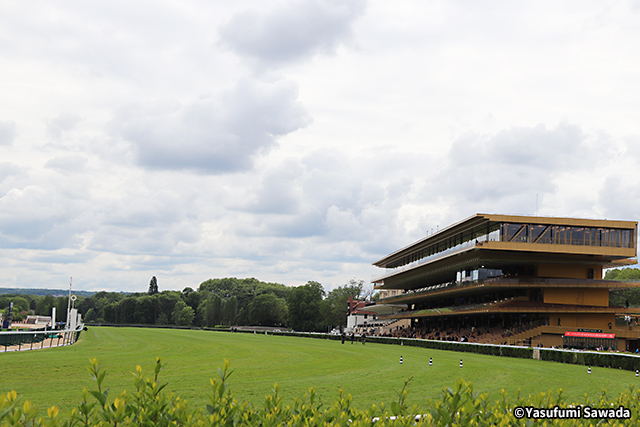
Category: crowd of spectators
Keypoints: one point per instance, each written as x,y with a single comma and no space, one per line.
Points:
494,335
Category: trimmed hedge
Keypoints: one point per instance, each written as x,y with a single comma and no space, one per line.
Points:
627,362
606,360
466,347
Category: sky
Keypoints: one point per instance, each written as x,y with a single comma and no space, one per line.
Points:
293,141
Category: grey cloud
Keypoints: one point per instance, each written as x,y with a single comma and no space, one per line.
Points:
296,29
59,125
514,163
307,224
213,135
620,198
8,132
34,217
139,211
67,164
539,147
58,258
154,218
9,169
531,147
277,192
322,195
632,146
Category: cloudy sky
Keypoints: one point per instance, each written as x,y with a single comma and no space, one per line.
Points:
299,140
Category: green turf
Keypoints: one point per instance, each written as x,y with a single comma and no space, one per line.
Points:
371,373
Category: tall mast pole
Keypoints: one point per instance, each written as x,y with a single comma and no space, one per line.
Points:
69,304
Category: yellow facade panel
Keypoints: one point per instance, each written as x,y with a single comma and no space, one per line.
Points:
582,320
577,296
569,271
572,222
560,249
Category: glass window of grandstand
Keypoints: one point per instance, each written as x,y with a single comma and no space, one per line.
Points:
514,232
541,234
565,235
577,236
477,274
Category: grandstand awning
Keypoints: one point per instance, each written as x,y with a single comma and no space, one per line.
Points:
386,309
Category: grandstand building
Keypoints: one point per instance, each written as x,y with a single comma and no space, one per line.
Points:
514,279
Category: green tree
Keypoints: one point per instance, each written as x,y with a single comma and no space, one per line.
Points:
127,310
622,297
216,310
202,313
305,307
193,299
61,304
110,312
182,314
244,290
167,301
144,310
20,303
98,302
623,274
90,316
230,310
335,305
268,310
162,319
153,286
44,305
185,318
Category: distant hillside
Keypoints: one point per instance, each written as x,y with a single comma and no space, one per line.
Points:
45,292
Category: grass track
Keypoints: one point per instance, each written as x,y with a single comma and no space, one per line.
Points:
371,373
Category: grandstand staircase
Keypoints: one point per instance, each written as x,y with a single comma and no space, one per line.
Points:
525,337
389,327
528,337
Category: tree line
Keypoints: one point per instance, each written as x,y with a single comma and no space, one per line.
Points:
624,297
216,302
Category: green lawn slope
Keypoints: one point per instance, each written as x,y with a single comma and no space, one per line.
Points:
371,372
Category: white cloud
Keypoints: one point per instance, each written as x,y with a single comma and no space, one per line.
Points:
67,164
8,132
292,31
9,170
61,124
505,171
299,140
220,134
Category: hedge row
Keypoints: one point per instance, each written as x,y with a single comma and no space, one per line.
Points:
605,360
491,349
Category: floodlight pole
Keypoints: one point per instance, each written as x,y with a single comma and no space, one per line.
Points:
69,304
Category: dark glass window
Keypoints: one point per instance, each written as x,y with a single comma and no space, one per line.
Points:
577,236
522,235
565,235
590,236
512,232
561,235
541,234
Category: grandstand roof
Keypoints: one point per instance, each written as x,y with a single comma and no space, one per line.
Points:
478,225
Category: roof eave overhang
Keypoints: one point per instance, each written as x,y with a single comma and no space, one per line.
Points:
479,219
